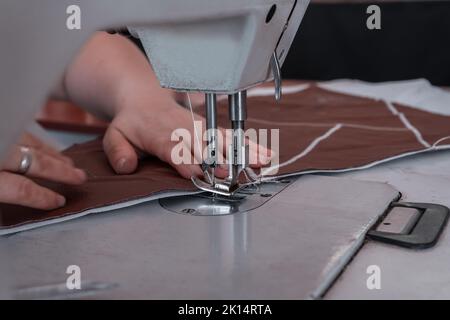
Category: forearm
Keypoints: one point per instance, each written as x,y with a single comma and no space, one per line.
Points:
109,72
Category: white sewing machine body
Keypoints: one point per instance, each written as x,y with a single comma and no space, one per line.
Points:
226,51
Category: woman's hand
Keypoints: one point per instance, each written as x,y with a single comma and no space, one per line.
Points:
46,163
146,125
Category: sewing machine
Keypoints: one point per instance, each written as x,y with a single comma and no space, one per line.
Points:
208,46
309,249
245,48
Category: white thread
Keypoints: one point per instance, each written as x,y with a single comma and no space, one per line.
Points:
195,127
308,149
247,176
407,124
440,140
250,172
252,177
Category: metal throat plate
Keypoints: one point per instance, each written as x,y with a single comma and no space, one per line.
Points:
208,204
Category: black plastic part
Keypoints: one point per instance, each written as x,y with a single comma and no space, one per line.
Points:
425,233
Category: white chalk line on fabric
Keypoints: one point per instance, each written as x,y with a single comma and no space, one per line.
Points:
363,167
407,123
394,111
408,127
306,151
324,124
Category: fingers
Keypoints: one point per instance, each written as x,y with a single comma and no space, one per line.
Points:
45,166
121,154
259,156
221,171
191,167
173,153
18,190
188,170
29,140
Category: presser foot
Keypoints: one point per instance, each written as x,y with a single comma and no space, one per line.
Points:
220,186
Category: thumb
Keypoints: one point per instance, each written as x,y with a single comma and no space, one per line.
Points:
120,152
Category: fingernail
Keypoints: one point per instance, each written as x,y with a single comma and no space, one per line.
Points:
264,159
81,174
61,201
121,163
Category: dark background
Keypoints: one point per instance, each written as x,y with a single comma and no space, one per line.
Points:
334,42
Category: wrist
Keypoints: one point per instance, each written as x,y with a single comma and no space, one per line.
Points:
143,97
148,104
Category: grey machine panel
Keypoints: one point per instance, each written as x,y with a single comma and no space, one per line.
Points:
292,247
404,273
5,270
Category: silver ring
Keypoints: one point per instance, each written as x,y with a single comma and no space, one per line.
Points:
25,162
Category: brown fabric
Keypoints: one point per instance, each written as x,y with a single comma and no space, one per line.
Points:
103,186
304,116
301,118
